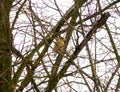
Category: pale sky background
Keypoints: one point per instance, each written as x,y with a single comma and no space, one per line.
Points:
47,12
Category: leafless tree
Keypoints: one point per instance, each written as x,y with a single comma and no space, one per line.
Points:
89,61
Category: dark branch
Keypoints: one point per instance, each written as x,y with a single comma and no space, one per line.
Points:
79,47
98,24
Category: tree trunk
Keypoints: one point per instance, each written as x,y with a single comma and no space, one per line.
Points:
5,46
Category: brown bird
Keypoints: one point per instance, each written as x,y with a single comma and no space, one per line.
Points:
59,45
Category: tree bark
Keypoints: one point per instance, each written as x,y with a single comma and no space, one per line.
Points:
5,46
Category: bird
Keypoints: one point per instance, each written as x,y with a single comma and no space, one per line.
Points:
59,46
103,19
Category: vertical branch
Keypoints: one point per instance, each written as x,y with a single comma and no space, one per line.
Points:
90,58
117,57
113,45
99,23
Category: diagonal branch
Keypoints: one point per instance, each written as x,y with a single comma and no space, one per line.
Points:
99,23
